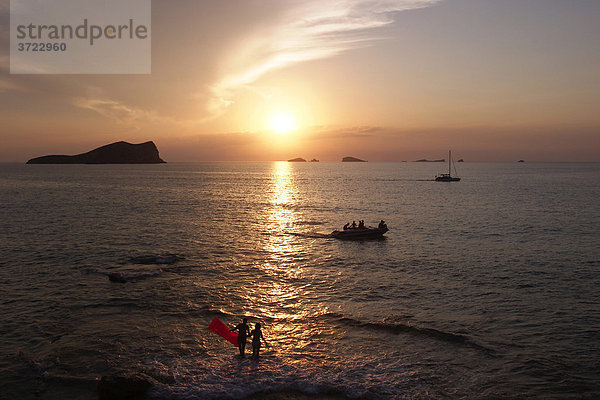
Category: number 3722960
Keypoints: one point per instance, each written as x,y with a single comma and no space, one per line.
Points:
34,46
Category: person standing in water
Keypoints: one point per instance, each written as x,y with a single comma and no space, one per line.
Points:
243,332
256,337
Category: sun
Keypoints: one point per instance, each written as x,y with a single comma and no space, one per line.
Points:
283,122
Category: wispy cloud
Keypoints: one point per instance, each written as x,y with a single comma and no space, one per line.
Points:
314,30
112,109
120,112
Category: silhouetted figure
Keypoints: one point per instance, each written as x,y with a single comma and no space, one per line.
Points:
353,225
243,332
361,224
256,337
346,226
382,225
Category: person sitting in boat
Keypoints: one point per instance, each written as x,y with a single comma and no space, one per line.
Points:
353,226
382,225
346,226
361,224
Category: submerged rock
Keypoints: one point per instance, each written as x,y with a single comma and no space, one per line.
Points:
156,259
129,276
114,277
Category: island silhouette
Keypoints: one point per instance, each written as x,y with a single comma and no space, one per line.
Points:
114,153
352,159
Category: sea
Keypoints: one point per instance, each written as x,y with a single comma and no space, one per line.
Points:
486,288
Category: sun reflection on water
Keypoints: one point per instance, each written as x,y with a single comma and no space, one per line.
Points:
282,214
283,298
281,295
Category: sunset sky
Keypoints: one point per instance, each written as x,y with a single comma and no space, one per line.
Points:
494,80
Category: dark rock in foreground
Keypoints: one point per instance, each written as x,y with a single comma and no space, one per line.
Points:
123,388
299,159
296,395
115,153
352,159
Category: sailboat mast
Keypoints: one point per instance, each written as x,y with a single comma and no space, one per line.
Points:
449,160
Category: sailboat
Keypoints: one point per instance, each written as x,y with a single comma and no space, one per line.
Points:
448,177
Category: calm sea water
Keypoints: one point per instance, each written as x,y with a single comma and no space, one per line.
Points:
485,288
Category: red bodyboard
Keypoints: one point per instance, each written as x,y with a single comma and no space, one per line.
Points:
222,330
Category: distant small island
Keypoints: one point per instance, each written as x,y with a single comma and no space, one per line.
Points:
299,159
425,160
314,160
114,153
352,159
